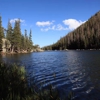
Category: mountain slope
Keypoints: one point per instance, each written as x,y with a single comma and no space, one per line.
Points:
86,36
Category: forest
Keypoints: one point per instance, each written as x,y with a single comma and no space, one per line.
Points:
15,41
86,36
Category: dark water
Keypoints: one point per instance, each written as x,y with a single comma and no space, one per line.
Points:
77,71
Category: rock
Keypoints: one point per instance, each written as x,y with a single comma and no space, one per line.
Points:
40,50
5,45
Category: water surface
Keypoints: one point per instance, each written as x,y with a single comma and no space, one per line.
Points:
77,71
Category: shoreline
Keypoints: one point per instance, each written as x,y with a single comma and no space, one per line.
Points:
22,52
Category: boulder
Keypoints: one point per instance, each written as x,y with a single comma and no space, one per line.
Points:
5,45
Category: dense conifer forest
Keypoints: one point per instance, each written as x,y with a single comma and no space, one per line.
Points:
14,37
86,36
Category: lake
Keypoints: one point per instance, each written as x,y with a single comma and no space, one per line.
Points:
76,71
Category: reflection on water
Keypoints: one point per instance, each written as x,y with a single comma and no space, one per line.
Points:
77,71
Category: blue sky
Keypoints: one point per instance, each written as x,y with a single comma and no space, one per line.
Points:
49,20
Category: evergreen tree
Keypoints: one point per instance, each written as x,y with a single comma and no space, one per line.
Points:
17,35
22,42
9,34
26,41
30,39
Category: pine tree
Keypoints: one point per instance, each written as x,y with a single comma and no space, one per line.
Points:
10,35
30,39
26,41
22,42
9,32
17,35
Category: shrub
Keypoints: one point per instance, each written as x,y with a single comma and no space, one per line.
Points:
12,81
14,85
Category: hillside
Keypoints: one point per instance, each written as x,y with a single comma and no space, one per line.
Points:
86,36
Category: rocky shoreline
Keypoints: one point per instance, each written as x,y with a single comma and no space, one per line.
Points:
24,51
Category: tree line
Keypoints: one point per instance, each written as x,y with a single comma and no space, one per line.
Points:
15,38
86,36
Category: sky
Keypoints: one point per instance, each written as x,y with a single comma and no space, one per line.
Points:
49,20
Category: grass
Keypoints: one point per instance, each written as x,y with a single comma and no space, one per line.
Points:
14,85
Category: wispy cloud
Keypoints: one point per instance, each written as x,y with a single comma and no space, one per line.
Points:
73,23
54,27
68,24
16,19
60,27
44,23
48,28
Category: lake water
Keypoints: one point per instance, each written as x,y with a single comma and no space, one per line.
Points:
76,71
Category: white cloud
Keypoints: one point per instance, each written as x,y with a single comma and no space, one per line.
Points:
60,27
48,28
16,19
54,27
73,23
44,23
70,25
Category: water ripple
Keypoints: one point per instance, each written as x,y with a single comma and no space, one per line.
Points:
77,71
